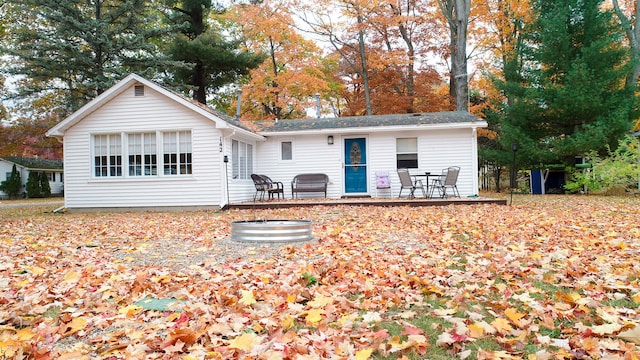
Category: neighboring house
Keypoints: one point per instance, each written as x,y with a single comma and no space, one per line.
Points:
53,169
139,145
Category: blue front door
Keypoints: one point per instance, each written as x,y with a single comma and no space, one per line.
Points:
355,165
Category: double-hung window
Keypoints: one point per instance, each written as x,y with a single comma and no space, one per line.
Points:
107,155
177,153
143,160
407,153
241,159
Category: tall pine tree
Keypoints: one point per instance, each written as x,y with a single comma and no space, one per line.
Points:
570,96
81,47
213,59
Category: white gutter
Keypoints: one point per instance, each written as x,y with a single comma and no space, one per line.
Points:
377,129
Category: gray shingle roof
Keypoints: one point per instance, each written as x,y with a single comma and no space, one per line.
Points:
35,163
450,117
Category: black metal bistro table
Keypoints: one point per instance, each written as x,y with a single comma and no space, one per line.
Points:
427,176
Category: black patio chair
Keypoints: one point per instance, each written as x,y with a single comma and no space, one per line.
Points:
273,187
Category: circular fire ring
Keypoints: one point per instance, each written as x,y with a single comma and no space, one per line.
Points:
271,231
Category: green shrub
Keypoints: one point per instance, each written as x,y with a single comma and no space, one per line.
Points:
33,185
13,184
612,175
45,188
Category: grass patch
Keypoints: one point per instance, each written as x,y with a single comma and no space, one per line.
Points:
53,312
622,303
309,279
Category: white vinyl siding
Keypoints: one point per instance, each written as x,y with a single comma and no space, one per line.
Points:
151,113
446,148
312,155
437,149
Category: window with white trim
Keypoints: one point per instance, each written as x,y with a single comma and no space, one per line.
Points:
286,150
107,155
241,160
407,153
143,158
138,153
177,154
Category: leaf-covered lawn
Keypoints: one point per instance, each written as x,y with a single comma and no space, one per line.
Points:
551,277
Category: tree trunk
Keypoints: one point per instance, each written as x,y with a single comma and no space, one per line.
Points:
274,109
98,48
457,14
363,63
497,172
633,32
411,53
200,92
459,58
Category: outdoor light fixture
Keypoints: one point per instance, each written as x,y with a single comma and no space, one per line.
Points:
330,139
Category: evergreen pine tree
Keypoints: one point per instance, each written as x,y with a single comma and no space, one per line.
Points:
45,188
13,184
82,47
214,60
570,96
33,185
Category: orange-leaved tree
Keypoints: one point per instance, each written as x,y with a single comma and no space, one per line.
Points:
385,49
284,85
31,118
344,25
404,40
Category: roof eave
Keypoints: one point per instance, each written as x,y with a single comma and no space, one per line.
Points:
378,129
59,129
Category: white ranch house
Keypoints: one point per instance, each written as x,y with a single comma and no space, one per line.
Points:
139,145
24,166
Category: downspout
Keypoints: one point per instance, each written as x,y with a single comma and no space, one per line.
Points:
224,194
474,157
64,195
